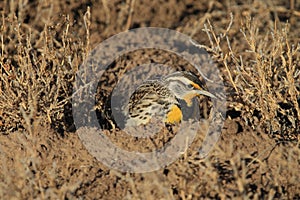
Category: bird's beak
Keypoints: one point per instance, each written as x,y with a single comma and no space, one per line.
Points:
203,92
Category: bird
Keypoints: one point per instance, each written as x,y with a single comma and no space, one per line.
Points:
161,97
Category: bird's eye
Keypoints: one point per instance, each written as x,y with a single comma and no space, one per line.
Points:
190,86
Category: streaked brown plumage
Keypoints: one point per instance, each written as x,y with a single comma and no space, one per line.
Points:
160,98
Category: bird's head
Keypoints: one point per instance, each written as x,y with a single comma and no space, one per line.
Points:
186,86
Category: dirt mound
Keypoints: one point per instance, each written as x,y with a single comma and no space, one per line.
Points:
44,43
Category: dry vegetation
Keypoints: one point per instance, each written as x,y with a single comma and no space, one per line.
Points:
264,77
257,49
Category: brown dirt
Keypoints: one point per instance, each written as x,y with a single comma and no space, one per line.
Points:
257,155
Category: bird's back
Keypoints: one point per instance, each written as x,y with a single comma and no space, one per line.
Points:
152,98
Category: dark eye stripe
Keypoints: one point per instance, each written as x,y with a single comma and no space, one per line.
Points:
194,79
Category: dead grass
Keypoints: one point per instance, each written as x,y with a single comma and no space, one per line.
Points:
37,75
264,77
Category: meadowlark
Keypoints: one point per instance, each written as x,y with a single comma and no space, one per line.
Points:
161,98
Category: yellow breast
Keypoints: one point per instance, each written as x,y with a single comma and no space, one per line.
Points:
174,116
